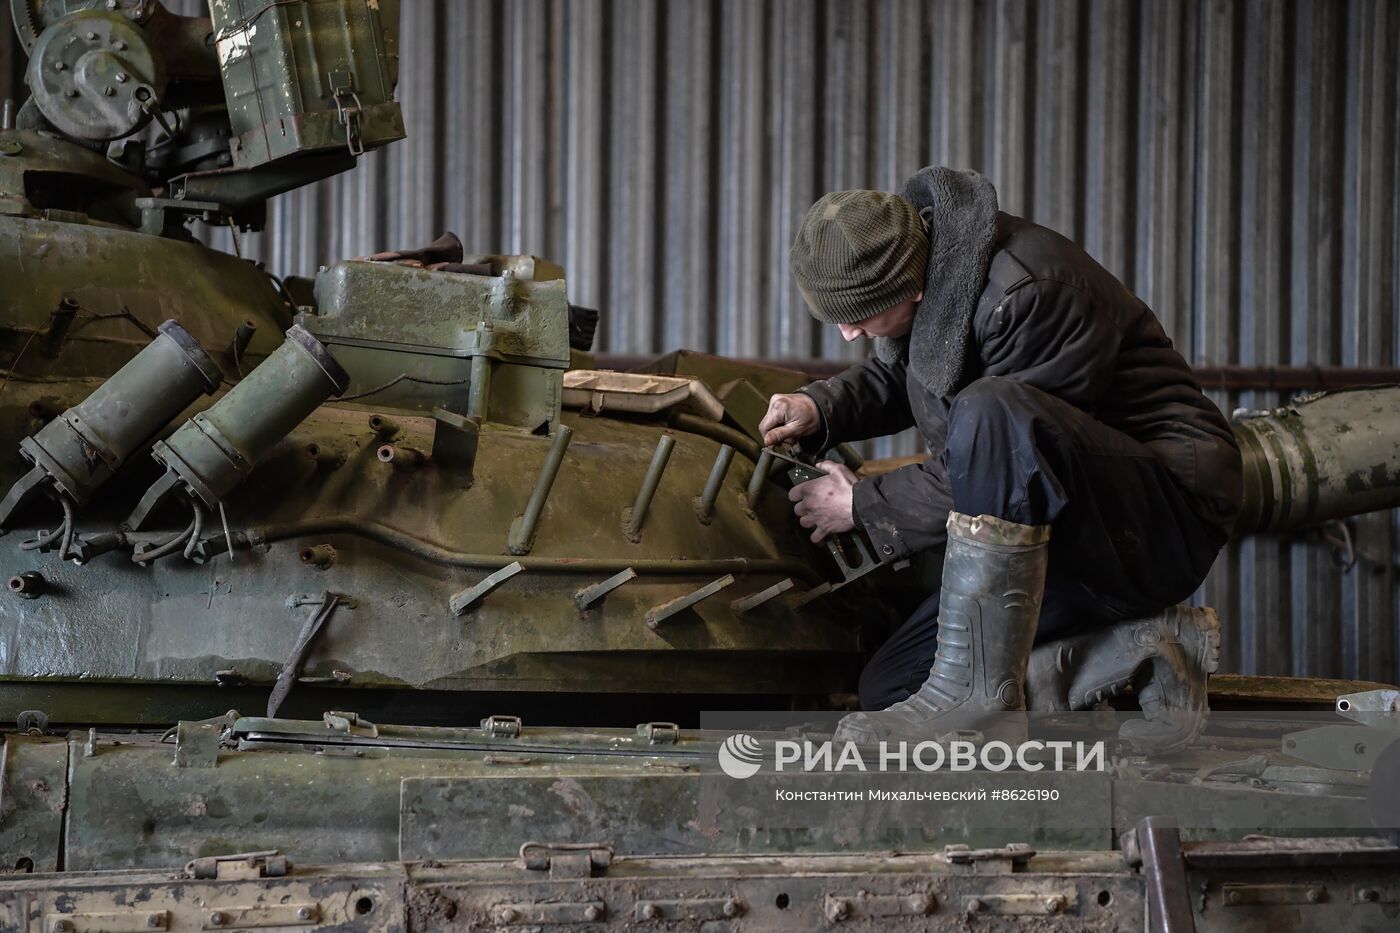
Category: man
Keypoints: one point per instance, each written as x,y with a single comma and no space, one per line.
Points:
1079,480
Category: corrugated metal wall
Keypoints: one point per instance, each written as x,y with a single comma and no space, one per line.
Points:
1234,162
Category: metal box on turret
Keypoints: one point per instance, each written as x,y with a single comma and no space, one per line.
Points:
302,78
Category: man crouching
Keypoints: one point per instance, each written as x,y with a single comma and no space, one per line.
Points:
1078,477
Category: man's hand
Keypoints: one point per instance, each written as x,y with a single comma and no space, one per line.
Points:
789,417
825,504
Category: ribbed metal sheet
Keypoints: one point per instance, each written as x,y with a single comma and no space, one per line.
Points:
1234,162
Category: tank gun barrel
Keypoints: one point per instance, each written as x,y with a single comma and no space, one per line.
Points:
1320,457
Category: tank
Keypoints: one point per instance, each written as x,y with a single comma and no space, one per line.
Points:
368,601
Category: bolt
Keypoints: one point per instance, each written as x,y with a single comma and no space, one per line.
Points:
1368,894
62,926
1054,903
60,66
218,918
305,913
507,915
974,904
1314,895
1232,897
1360,748
732,907
154,921
591,913
70,92
649,912
91,36
109,91
113,4
119,45
838,908
919,903
122,77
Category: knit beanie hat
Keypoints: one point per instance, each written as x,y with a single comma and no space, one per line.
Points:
859,253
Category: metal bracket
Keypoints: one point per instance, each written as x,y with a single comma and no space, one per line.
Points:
591,596
1372,707
245,866
472,595
659,733
688,909
499,727
658,614
1155,844
751,602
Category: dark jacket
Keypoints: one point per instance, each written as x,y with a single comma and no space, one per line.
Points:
1051,316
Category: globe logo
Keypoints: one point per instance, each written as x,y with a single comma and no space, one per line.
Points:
740,756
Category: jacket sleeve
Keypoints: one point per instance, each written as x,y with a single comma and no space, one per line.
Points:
905,510
868,400
1049,334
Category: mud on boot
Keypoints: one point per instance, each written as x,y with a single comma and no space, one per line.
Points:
993,581
1166,657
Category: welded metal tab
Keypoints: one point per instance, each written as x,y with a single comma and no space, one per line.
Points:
472,595
197,743
658,614
754,600
591,596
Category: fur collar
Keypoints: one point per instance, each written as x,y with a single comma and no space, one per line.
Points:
960,211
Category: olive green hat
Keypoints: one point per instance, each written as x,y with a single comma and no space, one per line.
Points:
859,253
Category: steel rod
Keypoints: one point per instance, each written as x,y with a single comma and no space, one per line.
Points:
522,531
705,505
637,515
761,469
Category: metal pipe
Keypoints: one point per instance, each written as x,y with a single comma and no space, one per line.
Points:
324,456
59,323
386,427
406,458
1319,458
705,505
634,517
436,553
522,530
479,391
241,338
29,584
722,433
759,480
318,555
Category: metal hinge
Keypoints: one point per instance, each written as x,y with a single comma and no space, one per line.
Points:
343,90
1007,860
567,859
501,726
349,724
245,866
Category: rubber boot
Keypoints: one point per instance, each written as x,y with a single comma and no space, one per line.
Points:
993,582
1166,657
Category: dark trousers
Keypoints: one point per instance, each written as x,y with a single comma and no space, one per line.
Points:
1124,539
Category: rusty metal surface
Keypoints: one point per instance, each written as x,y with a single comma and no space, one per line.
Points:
559,887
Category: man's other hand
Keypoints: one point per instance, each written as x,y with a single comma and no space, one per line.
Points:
789,417
825,504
